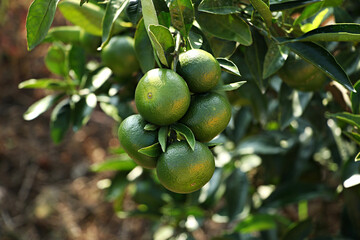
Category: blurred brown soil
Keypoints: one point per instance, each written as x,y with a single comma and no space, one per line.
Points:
47,190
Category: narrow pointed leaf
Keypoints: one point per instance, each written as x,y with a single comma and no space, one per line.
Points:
275,58
322,59
228,27
256,222
150,127
113,10
349,32
149,13
357,158
116,164
182,15
40,107
40,17
229,87
352,119
220,6
163,43
228,66
355,99
263,10
279,6
151,151
300,231
143,48
353,136
162,137
83,1
60,120
186,132
44,83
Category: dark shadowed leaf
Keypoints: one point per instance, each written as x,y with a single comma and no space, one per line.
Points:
117,164
322,59
236,193
186,132
275,58
40,17
56,61
299,231
222,48
354,136
229,27
82,111
220,6
117,188
113,10
163,43
143,48
284,5
40,107
77,61
182,15
60,120
228,66
151,151
134,11
162,137
355,99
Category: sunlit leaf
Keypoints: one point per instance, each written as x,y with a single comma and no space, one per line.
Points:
186,132
182,15
151,151
40,107
162,137
228,66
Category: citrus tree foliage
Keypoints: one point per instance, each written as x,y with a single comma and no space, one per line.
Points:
291,69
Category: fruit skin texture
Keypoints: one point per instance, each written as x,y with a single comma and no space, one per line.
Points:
162,97
132,137
182,170
199,69
208,115
119,55
301,75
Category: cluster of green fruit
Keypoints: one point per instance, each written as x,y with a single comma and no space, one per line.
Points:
178,114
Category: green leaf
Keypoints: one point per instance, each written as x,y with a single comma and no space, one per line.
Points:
116,191
163,43
263,10
162,137
352,119
117,164
99,77
113,10
256,223
143,48
56,60
60,120
150,127
186,132
40,107
44,83
151,151
275,58
77,61
134,11
89,16
236,193
229,87
299,231
39,19
284,5
357,158
349,32
222,48
228,66
82,111
220,6
355,98
110,110
310,11
228,27
182,15
149,13
195,40
354,136
322,59
65,34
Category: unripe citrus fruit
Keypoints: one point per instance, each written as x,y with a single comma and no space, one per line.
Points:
182,170
133,137
301,75
207,116
199,69
162,96
119,56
